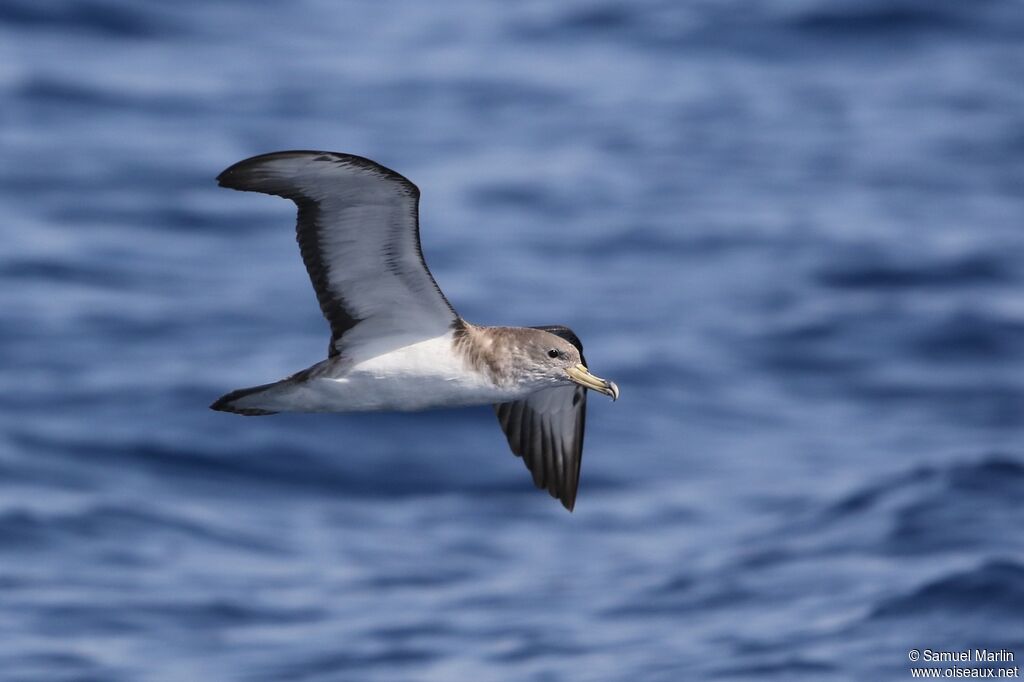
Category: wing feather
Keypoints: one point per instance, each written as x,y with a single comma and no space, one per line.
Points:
546,430
358,233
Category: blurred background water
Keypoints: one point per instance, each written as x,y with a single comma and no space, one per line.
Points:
790,231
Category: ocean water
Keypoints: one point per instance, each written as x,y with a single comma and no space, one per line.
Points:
792,232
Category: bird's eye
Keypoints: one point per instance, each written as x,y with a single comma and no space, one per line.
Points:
553,353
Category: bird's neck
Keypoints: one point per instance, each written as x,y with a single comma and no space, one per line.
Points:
492,351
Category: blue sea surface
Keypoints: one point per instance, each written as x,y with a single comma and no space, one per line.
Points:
791,231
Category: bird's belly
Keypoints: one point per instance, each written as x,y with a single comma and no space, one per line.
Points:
417,377
366,392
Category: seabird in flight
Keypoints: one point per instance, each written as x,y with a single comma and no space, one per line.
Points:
396,342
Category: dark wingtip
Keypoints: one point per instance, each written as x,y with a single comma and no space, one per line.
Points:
229,176
222,179
567,495
239,175
220,404
236,175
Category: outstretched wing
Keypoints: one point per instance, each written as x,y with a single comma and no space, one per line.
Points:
546,430
358,232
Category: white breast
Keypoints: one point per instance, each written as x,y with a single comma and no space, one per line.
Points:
415,376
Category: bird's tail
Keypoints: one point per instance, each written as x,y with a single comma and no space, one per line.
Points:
244,401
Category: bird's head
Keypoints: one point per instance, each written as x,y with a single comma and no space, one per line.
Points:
552,360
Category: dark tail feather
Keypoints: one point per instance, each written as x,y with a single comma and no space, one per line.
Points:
225,403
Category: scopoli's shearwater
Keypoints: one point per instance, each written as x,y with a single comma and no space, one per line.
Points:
396,342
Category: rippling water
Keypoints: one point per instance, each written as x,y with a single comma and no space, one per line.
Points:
790,231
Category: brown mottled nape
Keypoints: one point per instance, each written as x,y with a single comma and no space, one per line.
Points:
501,353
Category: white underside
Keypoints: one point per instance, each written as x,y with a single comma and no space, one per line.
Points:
417,376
